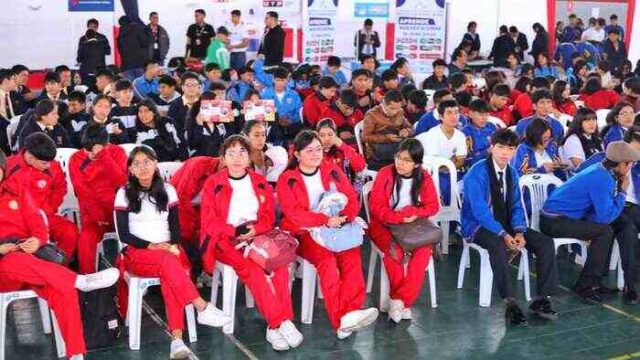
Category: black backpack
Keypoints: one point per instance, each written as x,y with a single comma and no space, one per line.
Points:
100,317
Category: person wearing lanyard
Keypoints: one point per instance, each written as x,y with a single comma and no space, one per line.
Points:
239,41
161,42
199,36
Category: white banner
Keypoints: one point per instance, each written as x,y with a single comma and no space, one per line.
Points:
420,33
319,30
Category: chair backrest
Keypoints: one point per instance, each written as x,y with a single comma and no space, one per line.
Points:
429,93
11,131
565,119
537,186
168,169
366,190
497,122
63,155
433,164
602,117
358,132
301,114
128,148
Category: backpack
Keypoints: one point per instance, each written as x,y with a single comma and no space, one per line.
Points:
271,250
100,317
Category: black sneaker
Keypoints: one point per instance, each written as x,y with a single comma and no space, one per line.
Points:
630,296
514,316
605,290
589,295
543,309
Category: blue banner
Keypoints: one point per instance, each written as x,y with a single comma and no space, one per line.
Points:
371,10
91,5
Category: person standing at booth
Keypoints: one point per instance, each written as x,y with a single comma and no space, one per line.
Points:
199,36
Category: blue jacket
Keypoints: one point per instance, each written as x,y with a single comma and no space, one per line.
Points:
267,79
525,159
590,195
545,71
615,132
339,76
238,90
428,121
290,105
593,159
599,157
557,130
571,34
144,87
476,205
478,142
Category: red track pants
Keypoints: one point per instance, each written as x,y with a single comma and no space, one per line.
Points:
404,286
64,233
52,282
271,293
341,278
177,288
90,236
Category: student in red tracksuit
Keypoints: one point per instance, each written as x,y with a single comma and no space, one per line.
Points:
337,152
45,180
238,204
402,192
97,171
316,103
299,190
21,220
188,182
345,113
146,212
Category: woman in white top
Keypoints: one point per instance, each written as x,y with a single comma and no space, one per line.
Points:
582,139
538,153
267,160
146,211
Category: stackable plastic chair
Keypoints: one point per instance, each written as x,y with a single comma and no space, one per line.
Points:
229,292
69,207
168,169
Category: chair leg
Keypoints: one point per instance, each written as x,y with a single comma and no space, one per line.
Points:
431,272
99,254
615,256
250,302
4,304
582,258
524,265
190,311
57,334
464,259
385,288
134,313
372,268
486,280
45,315
229,289
445,239
215,283
309,276
620,275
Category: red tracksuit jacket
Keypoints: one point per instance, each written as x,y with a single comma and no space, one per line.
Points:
523,105
96,182
568,107
503,114
313,106
294,199
216,200
382,192
19,215
601,99
47,188
343,154
189,181
332,112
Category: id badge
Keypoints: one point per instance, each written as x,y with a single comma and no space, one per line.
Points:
155,46
222,130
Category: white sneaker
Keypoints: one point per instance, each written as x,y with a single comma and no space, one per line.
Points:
212,316
179,350
277,341
343,334
77,357
290,333
407,314
395,310
99,280
358,319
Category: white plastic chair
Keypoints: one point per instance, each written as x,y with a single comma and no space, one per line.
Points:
47,319
384,279
309,283
497,122
358,133
429,93
229,292
486,273
128,148
602,117
537,185
615,263
69,208
450,212
11,131
137,290
565,119
168,169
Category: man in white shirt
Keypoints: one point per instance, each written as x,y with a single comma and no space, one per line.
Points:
595,33
238,41
445,140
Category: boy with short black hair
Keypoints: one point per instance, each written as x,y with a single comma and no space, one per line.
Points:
478,132
438,80
76,118
166,94
213,74
333,70
523,106
147,84
315,104
543,106
239,88
498,101
390,82
288,104
416,105
345,114
362,85
124,109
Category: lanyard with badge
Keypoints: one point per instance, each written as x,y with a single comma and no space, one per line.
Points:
200,31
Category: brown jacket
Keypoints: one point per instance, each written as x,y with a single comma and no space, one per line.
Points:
378,127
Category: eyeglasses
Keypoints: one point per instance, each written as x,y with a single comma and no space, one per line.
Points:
404,160
315,150
191,85
145,164
236,154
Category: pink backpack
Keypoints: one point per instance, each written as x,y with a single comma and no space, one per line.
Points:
271,250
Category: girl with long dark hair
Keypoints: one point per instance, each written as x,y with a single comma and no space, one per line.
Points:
534,155
561,100
146,212
300,189
337,152
159,133
619,119
402,193
582,139
267,160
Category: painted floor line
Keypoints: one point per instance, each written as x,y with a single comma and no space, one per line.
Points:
242,347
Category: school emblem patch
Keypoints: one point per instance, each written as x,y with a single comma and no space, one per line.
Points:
13,205
42,184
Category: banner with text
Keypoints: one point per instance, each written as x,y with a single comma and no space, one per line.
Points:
91,5
319,30
420,32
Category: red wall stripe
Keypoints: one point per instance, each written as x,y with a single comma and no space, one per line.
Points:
390,42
